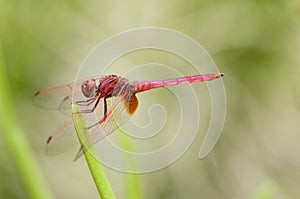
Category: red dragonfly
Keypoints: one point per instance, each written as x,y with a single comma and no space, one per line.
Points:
110,98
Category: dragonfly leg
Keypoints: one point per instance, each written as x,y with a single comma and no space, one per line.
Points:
105,106
85,102
91,110
101,121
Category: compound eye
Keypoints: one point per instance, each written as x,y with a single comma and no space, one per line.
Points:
88,88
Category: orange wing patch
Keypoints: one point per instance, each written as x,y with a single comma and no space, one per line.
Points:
131,105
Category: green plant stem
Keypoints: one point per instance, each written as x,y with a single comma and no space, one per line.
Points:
17,144
132,180
93,163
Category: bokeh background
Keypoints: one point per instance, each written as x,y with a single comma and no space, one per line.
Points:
255,43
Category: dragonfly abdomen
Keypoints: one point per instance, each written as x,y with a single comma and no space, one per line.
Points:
147,85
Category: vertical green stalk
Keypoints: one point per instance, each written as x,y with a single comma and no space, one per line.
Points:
132,181
93,163
17,144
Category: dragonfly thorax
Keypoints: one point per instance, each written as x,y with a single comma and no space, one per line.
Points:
107,86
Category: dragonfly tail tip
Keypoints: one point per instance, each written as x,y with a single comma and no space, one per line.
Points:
218,75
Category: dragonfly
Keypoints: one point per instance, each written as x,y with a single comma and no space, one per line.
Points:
111,99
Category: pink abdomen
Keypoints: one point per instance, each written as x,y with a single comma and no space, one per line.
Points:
147,85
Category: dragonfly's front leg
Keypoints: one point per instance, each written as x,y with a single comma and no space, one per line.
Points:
85,102
94,107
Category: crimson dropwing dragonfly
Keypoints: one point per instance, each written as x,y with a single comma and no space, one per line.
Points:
113,95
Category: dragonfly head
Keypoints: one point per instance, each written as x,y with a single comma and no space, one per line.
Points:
88,88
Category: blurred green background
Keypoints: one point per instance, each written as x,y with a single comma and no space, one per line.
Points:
255,43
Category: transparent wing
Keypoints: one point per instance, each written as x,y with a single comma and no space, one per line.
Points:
54,98
62,138
58,98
